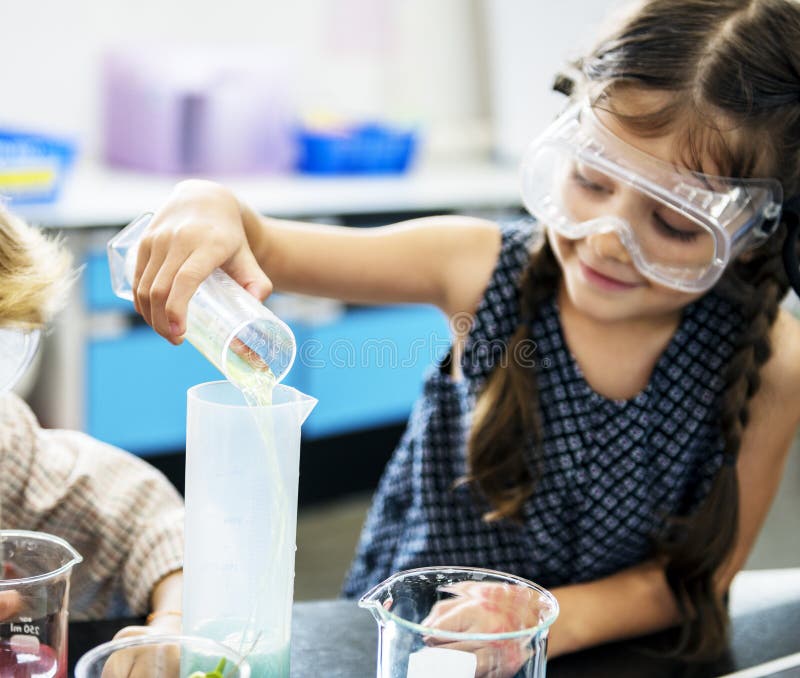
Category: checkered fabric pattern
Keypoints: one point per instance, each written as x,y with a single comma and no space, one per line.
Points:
118,512
612,470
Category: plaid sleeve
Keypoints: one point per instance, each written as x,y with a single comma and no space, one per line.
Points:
120,513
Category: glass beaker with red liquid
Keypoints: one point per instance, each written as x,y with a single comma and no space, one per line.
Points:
34,604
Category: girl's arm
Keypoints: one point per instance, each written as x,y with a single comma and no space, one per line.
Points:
630,603
444,261
638,601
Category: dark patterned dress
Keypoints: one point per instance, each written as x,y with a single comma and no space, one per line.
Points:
612,470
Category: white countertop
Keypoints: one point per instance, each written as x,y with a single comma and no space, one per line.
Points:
98,196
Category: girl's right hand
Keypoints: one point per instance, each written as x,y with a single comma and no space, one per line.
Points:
200,228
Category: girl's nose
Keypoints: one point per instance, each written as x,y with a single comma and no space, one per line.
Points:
608,246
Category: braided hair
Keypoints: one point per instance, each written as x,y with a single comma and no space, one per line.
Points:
731,60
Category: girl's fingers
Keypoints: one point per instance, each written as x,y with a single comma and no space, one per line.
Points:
438,610
245,270
459,617
192,271
161,289
142,257
142,290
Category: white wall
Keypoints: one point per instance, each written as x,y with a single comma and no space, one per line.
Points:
529,41
446,63
414,58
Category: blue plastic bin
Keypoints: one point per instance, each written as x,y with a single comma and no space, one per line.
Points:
33,166
371,148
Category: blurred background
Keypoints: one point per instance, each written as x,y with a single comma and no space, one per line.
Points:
356,112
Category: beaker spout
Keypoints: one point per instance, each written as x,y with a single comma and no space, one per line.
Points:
377,600
375,608
304,404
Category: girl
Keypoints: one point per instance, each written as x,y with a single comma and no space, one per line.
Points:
613,419
121,515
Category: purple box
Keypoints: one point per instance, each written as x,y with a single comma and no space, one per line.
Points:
198,110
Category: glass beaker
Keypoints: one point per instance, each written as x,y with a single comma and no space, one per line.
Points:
34,596
230,327
242,467
521,613
161,657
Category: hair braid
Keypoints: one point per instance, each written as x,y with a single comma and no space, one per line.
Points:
506,415
700,544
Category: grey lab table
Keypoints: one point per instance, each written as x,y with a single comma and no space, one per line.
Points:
337,639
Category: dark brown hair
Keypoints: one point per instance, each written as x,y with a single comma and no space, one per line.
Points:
730,70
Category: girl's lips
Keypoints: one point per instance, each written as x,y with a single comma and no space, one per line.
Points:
605,282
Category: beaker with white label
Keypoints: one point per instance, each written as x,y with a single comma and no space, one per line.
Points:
34,592
417,636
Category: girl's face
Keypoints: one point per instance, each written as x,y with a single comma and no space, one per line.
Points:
599,274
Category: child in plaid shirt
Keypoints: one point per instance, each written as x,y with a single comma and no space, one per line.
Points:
121,515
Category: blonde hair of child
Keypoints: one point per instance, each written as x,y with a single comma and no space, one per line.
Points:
35,273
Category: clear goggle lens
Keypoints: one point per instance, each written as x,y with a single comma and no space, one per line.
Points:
680,228
17,349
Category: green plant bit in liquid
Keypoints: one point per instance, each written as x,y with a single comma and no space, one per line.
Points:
216,673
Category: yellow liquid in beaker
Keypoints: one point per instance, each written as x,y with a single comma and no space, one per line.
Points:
257,384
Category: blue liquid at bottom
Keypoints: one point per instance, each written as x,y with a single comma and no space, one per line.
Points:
265,660
262,664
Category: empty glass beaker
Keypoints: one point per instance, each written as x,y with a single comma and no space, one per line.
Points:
161,656
242,466
230,327
418,610
34,591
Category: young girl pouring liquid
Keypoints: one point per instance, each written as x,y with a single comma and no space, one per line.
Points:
615,413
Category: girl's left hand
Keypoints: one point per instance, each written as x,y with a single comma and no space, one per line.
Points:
478,607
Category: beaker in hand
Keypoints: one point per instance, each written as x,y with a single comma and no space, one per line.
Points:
238,334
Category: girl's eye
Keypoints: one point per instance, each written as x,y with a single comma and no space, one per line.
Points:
672,231
589,185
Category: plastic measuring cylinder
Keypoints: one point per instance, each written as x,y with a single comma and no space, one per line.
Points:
242,470
231,328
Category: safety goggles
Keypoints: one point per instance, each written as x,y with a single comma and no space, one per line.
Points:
681,228
17,350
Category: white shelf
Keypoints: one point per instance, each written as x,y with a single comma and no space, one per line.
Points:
97,196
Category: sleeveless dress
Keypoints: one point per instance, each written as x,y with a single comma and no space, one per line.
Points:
612,470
